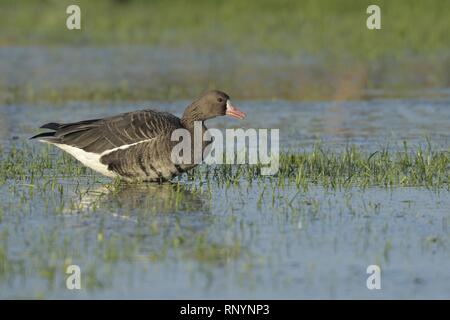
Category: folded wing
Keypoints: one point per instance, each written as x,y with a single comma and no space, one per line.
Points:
105,135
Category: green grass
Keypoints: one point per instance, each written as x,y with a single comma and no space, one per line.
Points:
414,166
409,53
286,26
351,168
44,226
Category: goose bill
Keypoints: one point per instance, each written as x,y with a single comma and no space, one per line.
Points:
234,112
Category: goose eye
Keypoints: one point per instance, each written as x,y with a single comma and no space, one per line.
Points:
220,99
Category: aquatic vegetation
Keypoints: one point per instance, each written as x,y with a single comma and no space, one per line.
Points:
213,224
309,231
353,167
350,168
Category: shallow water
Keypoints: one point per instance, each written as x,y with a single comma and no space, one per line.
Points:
372,124
141,72
215,241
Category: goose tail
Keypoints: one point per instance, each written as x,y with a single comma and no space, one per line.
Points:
47,136
44,135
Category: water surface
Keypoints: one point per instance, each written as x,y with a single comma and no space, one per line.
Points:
218,241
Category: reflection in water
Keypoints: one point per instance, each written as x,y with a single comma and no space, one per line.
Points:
150,198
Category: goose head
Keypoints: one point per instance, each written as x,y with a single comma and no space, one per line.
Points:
210,105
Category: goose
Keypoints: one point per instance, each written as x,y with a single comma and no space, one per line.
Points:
136,146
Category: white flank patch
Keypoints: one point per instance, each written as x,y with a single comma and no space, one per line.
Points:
89,159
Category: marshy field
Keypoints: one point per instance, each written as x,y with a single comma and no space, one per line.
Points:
364,120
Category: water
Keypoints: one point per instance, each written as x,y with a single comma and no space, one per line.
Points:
140,72
184,241
371,123
157,241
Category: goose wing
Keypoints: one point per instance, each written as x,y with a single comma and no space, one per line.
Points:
103,135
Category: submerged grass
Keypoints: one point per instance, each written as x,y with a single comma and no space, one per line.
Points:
413,167
44,225
353,167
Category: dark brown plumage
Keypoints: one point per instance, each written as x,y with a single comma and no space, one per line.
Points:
135,145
